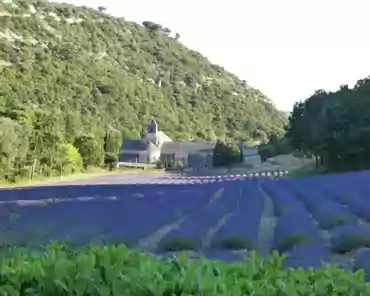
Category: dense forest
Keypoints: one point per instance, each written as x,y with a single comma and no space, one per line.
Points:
334,127
73,77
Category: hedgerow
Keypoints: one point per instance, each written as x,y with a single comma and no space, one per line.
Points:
117,270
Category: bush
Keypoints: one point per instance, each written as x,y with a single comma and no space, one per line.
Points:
116,270
179,165
177,244
235,243
351,242
69,159
290,242
158,164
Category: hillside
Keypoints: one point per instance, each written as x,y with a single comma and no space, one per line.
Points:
70,72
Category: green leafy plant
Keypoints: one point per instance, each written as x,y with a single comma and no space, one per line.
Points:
336,221
290,242
235,243
179,165
352,242
117,270
177,244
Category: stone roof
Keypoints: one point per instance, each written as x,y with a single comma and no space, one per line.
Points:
186,147
134,145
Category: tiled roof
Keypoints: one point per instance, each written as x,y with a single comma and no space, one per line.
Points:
135,145
186,147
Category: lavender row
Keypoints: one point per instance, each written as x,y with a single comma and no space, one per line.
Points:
191,232
241,230
121,219
296,233
341,210
326,211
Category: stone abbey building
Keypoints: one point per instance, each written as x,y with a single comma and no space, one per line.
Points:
157,145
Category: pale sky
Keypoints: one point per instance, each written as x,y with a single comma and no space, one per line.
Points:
285,48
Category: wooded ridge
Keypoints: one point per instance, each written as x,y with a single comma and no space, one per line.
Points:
68,75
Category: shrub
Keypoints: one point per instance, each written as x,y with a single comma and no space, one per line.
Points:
177,244
352,242
158,164
116,270
289,242
179,165
70,160
235,243
336,221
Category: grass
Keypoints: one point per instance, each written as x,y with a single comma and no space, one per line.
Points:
90,173
308,170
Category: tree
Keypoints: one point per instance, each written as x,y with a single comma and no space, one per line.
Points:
102,9
166,31
226,154
113,141
44,139
334,127
13,145
102,73
112,146
91,150
152,27
69,159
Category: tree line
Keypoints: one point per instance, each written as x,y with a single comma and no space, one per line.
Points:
35,142
334,127
74,75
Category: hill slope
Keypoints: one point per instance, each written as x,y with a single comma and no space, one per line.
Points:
102,71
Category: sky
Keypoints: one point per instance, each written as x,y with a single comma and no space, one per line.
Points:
287,48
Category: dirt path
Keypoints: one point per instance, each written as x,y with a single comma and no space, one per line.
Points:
108,179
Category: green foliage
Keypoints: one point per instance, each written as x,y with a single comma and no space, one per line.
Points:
179,165
306,171
226,154
116,270
351,243
235,243
113,142
158,164
83,73
91,149
336,221
290,242
275,146
334,127
177,244
155,28
69,159
112,146
13,145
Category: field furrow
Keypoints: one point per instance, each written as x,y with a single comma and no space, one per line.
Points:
313,220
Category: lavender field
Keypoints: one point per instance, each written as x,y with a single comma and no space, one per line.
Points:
312,220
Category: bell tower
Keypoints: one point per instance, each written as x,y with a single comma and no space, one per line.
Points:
152,132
